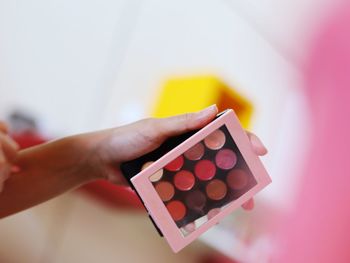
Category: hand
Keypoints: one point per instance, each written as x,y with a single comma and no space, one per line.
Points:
114,146
259,149
8,154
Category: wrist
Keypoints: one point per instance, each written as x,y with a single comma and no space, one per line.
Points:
99,155
88,163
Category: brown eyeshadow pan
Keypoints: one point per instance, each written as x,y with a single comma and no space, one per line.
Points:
237,179
216,189
196,200
165,190
196,152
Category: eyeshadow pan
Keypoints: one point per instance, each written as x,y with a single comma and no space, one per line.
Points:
226,159
190,227
195,153
215,140
237,179
154,177
176,164
205,170
176,209
165,190
216,189
196,200
213,212
184,180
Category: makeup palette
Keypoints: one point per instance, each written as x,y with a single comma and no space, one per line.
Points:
193,180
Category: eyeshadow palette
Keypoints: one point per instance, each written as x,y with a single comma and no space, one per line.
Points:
191,181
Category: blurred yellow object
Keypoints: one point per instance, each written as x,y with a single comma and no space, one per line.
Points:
190,94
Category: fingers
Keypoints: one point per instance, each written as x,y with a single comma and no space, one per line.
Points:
3,127
258,147
4,169
9,147
249,205
186,122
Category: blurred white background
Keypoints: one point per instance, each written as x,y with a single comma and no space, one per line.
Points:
84,65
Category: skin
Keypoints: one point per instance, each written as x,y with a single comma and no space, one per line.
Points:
37,174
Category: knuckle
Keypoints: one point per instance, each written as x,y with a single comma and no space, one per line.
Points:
188,120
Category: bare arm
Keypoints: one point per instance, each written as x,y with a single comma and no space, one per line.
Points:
53,168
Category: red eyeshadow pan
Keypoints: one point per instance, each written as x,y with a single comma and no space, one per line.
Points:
195,153
205,170
184,180
165,190
176,164
226,159
216,189
215,140
237,179
176,209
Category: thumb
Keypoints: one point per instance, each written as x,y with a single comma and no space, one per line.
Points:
183,123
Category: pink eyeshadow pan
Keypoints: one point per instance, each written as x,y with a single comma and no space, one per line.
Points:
205,170
190,227
176,164
237,179
226,159
213,212
184,180
195,153
215,140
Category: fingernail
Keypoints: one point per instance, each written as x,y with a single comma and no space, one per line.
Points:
258,146
249,205
208,110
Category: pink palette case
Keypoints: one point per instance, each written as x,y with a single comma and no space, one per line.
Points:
194,180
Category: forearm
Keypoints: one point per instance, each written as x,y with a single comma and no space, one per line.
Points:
46,171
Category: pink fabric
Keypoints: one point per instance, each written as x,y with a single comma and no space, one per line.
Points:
319,228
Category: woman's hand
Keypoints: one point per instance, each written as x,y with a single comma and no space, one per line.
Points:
55,167
114,146
8,154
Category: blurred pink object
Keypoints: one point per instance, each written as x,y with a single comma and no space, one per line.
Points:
318,230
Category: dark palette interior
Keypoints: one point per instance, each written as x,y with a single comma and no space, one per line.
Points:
196,195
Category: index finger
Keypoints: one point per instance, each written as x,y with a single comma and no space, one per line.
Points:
9,147
258,147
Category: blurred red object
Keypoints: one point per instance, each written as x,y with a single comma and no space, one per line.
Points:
216,258
28,139
109,194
